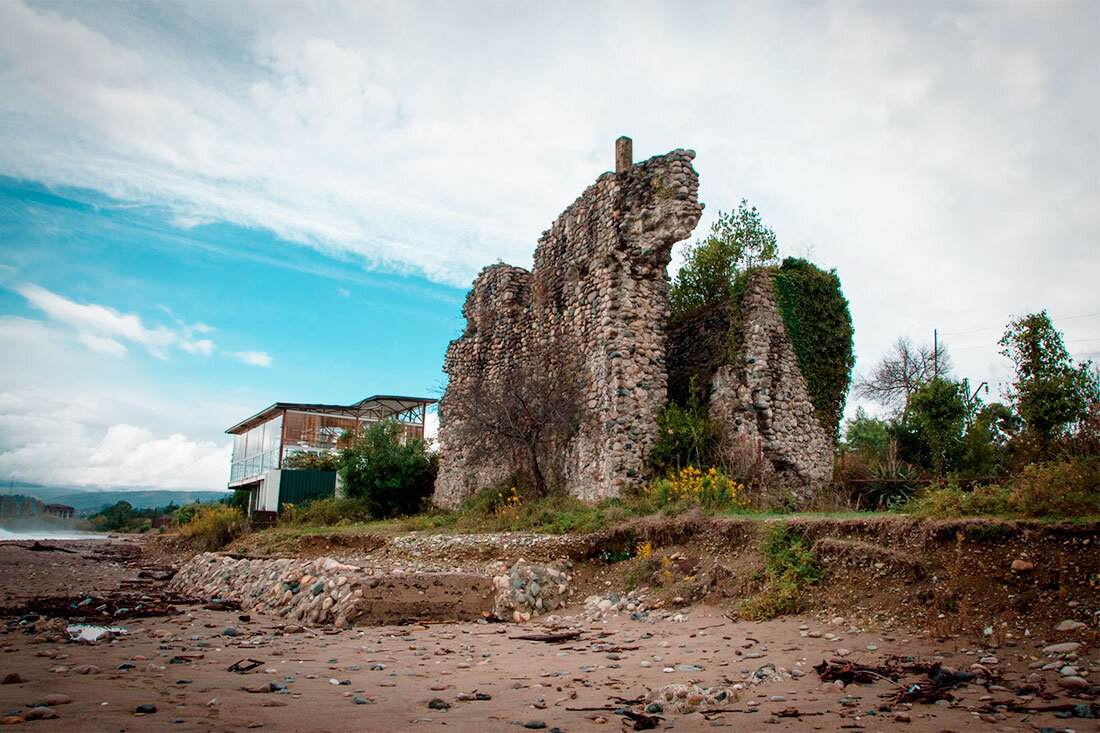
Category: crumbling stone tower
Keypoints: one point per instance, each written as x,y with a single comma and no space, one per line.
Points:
597,296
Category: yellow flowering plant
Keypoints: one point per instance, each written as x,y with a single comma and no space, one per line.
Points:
712,489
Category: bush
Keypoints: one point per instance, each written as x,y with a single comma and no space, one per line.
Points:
390,475
952,500
790,568
327,512
212,527
1067,488
685,437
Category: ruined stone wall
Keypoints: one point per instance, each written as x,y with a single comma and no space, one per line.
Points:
762,395
597,295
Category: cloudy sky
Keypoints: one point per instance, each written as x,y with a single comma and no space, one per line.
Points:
208,207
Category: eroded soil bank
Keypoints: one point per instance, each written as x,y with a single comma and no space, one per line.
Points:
922,625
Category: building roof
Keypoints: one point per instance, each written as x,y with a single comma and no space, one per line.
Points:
377,407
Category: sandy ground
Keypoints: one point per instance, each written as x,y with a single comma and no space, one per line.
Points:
383,678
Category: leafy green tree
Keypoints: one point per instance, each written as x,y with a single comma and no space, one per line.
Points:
1050,393
390,473
738,241
937,414
866,434
985,448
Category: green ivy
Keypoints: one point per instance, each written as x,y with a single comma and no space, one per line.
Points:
819,326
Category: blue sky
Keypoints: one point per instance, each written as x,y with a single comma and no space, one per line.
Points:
207,207
210,323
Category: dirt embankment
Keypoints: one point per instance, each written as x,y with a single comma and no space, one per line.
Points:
947,575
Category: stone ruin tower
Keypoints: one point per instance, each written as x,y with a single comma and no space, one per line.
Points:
598,294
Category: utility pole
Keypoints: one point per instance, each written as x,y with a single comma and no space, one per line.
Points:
936,353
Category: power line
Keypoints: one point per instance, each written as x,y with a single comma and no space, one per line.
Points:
991,328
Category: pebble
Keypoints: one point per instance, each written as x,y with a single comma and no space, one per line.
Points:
1069,625
534,724
230,631
438,703
41,713
146,709
13,678
1074,684
51,700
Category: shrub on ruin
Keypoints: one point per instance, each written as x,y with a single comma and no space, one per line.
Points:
738,241
212,527
391,474
685,437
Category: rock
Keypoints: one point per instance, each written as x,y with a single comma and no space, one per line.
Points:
41,713
438,703
360,700
146,709
1074,684
1022,566
534,724
842,652
48,701
13,678
230,631
12,720
85,669
1068,647
1069,625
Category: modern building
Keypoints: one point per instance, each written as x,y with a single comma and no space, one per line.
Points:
264,443
59,510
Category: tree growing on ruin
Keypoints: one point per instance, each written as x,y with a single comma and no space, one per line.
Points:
902,371
526,409
738,241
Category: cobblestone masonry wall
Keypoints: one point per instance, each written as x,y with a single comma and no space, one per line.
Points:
598,292
763,396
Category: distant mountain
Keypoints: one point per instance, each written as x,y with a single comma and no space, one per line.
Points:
92,500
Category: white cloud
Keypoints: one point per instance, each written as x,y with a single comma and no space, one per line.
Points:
943,159
202,346
71,417
103,344
252,358
343,292
102,329
98,325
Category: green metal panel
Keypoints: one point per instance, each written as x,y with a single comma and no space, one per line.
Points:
301,486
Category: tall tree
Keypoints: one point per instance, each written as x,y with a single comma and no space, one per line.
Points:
902,371
1049,393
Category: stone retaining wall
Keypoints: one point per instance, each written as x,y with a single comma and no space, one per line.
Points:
325,591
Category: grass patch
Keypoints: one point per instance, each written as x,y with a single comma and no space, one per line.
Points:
789,569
